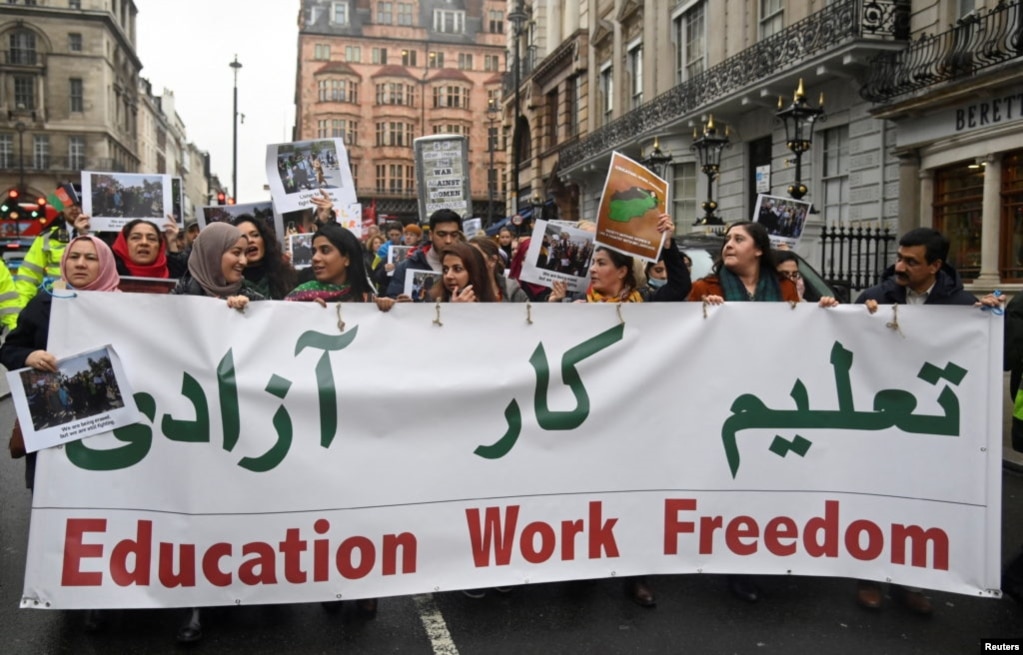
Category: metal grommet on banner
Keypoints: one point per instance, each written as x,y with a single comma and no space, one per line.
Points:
529,312
894,323
618,308
340,321
436,321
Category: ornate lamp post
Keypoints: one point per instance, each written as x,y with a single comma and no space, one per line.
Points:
517,17
21,127
657,161
537,203
708,149
235,65
799,118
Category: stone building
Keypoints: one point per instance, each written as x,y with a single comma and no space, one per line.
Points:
380,74
596,76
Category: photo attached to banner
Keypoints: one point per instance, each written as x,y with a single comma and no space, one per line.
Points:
396,255
227,213
298,171
422,286
300,247
783,218
629,209
558,252
89,394
115,199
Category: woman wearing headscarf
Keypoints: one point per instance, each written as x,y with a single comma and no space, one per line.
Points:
141,251
216,267
266,270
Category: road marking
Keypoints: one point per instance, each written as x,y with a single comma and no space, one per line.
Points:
436,628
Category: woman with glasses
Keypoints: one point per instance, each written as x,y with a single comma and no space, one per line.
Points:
787,265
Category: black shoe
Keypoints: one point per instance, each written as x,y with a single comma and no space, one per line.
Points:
94,620
743,587
191,630
640,592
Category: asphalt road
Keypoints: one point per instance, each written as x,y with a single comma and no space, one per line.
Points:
694,614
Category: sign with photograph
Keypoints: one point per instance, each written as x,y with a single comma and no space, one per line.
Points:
298,171
419,285
783,218
397,254
300,247
558,252
178,200
442,174
227,213
89,394
629,209
115,199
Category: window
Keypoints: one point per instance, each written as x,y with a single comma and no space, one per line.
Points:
771,17
338,91
1011,260
450,96
381,178
835,175
74,42
607,92
405,13
551,126
321,129
636,74
491,63
965,7
345,130
353,53
321,52
394,93
339,13
77,95
465,61
452,128
6,150
355,174
690,43
571,107
683,189
394,134
23,48
448,22
380,56
24,92
494,98
76,153
408,57
958,205
436,60
41,151
495,22
385,13
492,138
74,4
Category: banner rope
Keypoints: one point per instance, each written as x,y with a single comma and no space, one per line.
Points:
529,312
894,323
436,321
340,321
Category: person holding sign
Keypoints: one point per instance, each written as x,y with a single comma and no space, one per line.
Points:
338,269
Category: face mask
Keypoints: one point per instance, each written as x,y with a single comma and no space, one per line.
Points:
655,283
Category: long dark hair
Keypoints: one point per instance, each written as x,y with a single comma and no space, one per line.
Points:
761,240
280,275
473,261
348,245
629,282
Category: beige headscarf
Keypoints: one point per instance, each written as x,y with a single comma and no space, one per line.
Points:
207,253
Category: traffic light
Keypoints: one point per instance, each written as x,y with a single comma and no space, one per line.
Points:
10,208
40,210
221,198
230,201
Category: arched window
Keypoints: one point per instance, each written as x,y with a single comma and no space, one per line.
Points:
22,48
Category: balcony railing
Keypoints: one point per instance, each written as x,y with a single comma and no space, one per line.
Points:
982,40
824,30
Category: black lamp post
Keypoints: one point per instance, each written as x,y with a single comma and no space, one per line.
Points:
234,123
20,127
517,17
657,161
491,174
708,149
799,118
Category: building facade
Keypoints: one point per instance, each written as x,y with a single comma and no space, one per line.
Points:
69,95
598,76
380,74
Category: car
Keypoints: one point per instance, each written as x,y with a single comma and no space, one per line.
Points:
704,249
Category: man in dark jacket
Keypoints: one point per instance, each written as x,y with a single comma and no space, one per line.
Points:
920,275
445,229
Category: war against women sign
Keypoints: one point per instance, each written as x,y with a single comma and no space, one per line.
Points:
282,460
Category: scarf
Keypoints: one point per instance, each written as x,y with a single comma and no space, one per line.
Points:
157,269
325,291
206,259
108,279
734,290
592,295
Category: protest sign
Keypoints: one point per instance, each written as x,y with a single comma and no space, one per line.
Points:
298,171
558,252
113,200
630,207
282,460
442,174
228,213
782,217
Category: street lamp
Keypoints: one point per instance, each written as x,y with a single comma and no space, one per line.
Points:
491,174
708,149
657,162
799,118
537,204
234,161
20,127
517,17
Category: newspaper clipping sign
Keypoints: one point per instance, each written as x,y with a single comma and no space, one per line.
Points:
442,171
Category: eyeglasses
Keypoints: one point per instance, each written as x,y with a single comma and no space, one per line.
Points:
791,275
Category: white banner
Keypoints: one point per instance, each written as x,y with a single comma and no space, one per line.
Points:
285,461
